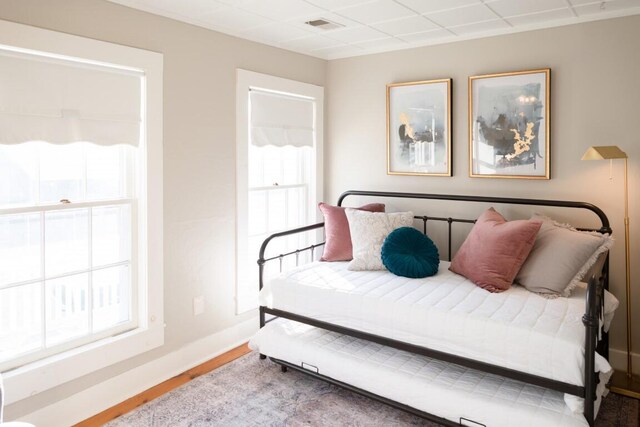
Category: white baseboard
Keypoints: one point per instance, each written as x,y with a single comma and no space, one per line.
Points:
96,399
618,359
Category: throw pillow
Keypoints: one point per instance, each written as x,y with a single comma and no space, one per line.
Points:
494,250
409,253
337,246
560,258
368,231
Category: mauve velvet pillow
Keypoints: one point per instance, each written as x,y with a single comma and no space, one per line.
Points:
494,250
337,245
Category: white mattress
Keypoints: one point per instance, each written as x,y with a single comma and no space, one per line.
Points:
432,386
516,329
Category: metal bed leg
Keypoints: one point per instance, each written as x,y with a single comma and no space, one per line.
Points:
283,368
262,356
591,324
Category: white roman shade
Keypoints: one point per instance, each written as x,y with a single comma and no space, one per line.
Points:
63,101
280,120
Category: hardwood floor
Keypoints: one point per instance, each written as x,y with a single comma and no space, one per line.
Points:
164,387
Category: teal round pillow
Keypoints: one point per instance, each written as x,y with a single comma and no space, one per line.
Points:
409,253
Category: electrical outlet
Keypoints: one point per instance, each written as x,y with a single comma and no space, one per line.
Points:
198,305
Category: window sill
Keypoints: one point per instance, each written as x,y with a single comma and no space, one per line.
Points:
36,377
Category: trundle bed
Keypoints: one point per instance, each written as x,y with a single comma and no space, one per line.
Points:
442,347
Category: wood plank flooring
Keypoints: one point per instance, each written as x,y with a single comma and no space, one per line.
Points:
164,387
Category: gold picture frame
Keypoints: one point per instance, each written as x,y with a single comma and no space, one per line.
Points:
509,125
419,128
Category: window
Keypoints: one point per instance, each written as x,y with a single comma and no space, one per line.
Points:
80,168
65,268
279,169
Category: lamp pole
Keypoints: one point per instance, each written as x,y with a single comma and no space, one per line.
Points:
627,269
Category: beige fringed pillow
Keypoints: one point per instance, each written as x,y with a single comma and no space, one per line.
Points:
560,258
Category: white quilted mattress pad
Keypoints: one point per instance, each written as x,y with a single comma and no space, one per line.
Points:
433,386
516,329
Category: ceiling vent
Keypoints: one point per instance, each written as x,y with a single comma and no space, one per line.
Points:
324,24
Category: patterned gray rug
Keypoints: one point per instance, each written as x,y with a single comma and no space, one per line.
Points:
253,392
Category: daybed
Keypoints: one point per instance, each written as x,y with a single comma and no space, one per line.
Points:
442,347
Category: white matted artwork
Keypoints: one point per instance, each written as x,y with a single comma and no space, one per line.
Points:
509,125
419,128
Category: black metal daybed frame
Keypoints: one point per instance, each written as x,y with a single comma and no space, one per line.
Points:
594,307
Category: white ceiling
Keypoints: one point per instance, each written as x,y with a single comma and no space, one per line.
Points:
372,26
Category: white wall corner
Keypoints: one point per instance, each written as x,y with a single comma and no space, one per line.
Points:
104,395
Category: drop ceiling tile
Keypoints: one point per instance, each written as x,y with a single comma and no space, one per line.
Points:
383,44
230,2
281,10
357,34
426,36
430,6
627,3
377,11
275,32
580,2
479,27
337,4
413,24
191,8
609,6
539,18
339,51
463,15
313,42
235,19
506,8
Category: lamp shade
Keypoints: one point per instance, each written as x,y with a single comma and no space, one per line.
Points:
604,153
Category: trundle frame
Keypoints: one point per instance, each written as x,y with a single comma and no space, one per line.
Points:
594,305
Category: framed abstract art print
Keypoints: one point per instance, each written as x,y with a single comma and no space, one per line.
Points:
509,125
419,128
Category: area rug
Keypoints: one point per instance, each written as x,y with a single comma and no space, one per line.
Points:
254,392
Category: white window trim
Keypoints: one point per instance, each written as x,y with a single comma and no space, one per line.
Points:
42,375
245,80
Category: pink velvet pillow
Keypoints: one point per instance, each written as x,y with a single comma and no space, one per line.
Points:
337,245
494,250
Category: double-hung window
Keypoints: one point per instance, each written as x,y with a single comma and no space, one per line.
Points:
279,171
79,158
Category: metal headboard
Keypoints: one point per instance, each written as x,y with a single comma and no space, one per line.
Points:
605,228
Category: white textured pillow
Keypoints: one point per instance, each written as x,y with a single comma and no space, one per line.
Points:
560,258
368,231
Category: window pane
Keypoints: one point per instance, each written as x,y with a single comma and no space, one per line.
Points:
20,258
111,297
105,172
111,234
61,172
272,165
67,308
277,210
18,175
296,207
20,320
66,241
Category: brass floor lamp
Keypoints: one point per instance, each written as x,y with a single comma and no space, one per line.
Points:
624,383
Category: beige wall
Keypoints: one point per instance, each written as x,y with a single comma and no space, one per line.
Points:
595,93
199,156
